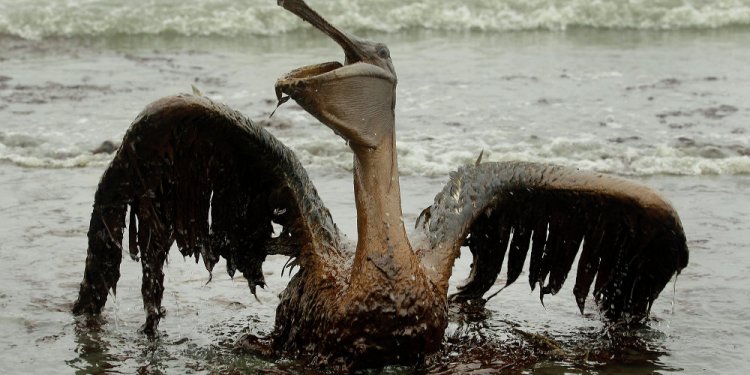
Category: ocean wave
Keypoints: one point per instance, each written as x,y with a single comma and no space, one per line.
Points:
33,151
34,19
417,156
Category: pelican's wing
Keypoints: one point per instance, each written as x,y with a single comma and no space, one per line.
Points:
203,175
632,239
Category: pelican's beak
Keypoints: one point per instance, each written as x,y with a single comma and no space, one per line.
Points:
352,50
356,98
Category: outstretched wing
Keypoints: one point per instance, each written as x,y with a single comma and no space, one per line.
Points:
631,240
198,173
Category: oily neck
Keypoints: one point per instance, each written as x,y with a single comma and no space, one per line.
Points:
382,246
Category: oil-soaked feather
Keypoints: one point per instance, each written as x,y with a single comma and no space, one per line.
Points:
551,255
566,249
615,241
633,241
539,242
133,235
588,263
519,247
488,245
187,161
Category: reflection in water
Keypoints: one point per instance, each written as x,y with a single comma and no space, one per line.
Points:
202,337
92,348
475,342
97,355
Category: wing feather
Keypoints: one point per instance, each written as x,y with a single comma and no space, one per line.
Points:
629,238
519,247
202,175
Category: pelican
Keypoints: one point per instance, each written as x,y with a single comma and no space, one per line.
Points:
200,174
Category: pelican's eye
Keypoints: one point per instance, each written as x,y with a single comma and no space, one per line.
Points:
383,52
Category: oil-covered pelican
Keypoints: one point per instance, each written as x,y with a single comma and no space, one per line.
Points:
186,159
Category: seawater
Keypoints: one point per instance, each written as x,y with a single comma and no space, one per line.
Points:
46,18
655,90
628,102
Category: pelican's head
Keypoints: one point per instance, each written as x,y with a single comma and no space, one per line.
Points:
356,99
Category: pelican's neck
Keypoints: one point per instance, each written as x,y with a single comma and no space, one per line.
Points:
382,246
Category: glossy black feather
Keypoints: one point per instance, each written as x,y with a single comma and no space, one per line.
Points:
184,163
519,247
631,241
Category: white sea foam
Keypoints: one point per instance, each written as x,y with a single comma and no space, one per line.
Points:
45,18
418,156
39,152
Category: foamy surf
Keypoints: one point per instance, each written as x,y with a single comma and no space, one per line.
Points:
52,18
439,155
32,151
443,154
